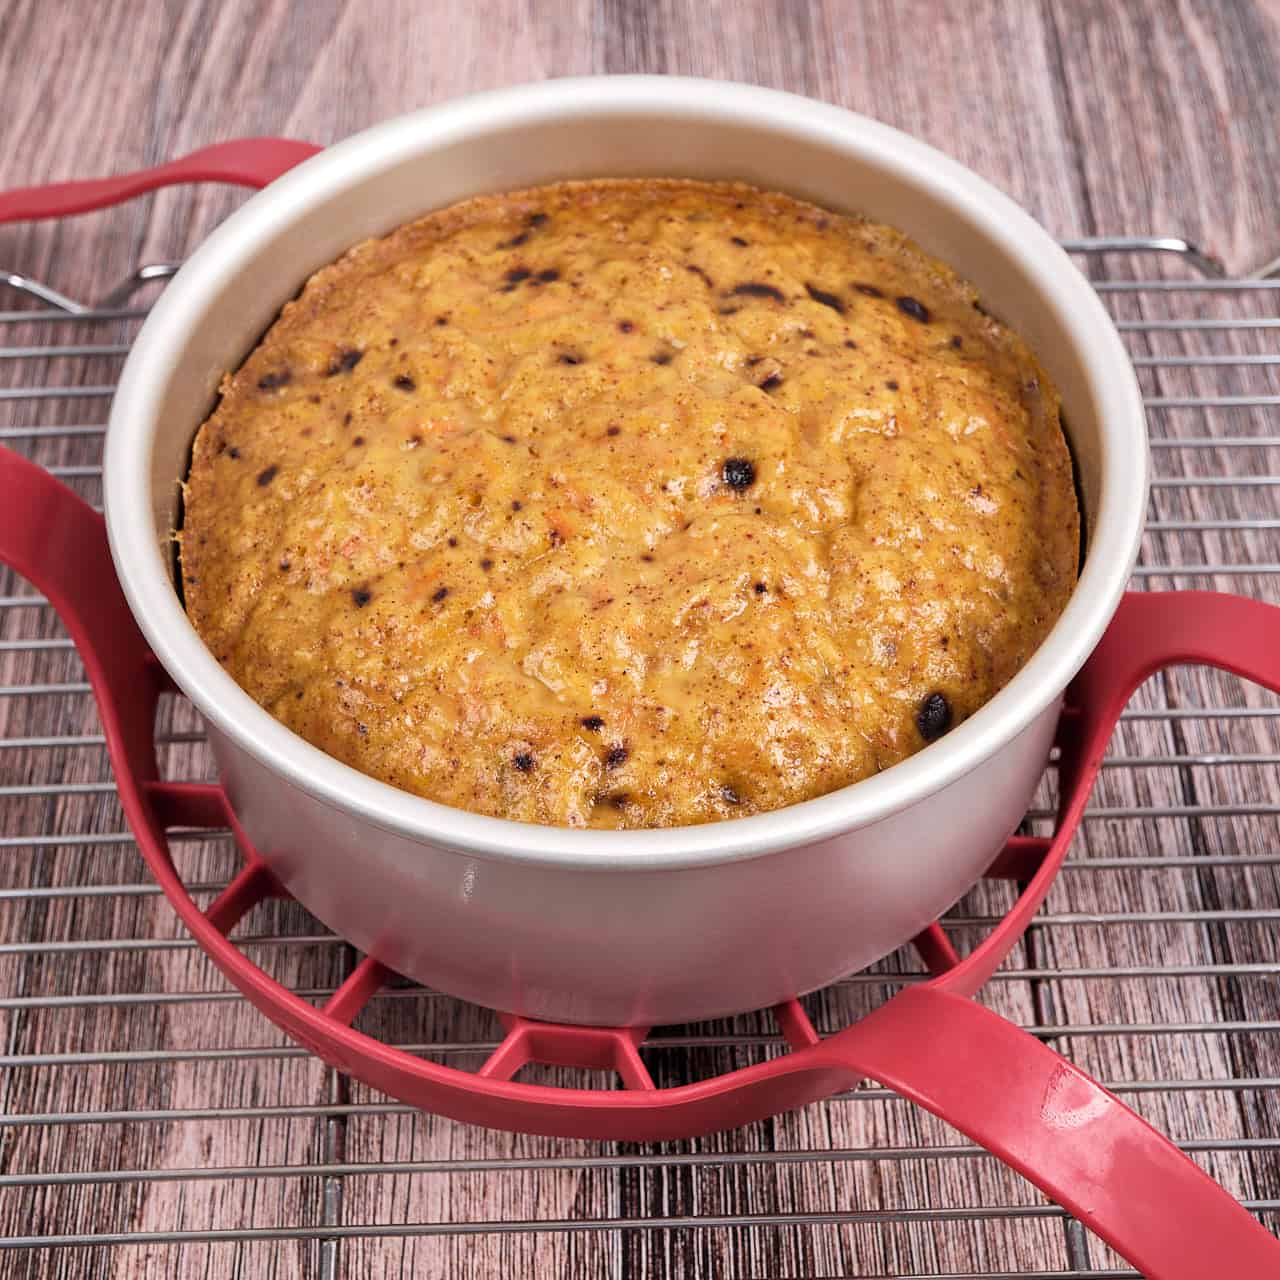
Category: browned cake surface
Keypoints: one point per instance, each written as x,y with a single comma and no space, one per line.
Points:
630,504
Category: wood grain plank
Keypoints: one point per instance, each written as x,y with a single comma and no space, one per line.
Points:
1174,106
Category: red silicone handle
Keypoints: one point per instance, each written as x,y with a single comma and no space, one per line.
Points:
59,543
1017,1097
1078,1143
1150,631
244,162
1158,629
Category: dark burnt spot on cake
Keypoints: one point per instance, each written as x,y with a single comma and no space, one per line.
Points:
616,756
625,326
730,794
826,299
593,723
570,357
516,241
934,717
344,361
729,311
760,587
441,321
516,504
362,729
346,419
439,594
617,799
274,381
956,342
554,536
360,596
662,357
453,542
738,473
233,453
268,474
549,276
284,566
752,361
754,289
614,431
702,275
646,557
892,384
313,398
523,760
914,308
517,275
772,381
508,439
358,441
403,382
739,241
868,290
538,219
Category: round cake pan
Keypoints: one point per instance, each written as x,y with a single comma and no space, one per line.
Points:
635,926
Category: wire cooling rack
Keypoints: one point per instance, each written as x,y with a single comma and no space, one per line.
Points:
153,1123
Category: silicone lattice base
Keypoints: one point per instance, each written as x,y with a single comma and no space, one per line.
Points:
188,808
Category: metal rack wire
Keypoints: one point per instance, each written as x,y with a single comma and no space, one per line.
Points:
151,1120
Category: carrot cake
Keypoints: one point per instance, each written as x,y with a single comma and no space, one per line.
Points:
630,504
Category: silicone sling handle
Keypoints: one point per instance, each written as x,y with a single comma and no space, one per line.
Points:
58,542
1018,1098
244,162
1061,1130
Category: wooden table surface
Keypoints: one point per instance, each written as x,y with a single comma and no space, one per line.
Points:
1102,119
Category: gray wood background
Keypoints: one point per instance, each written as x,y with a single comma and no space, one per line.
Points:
1159,951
